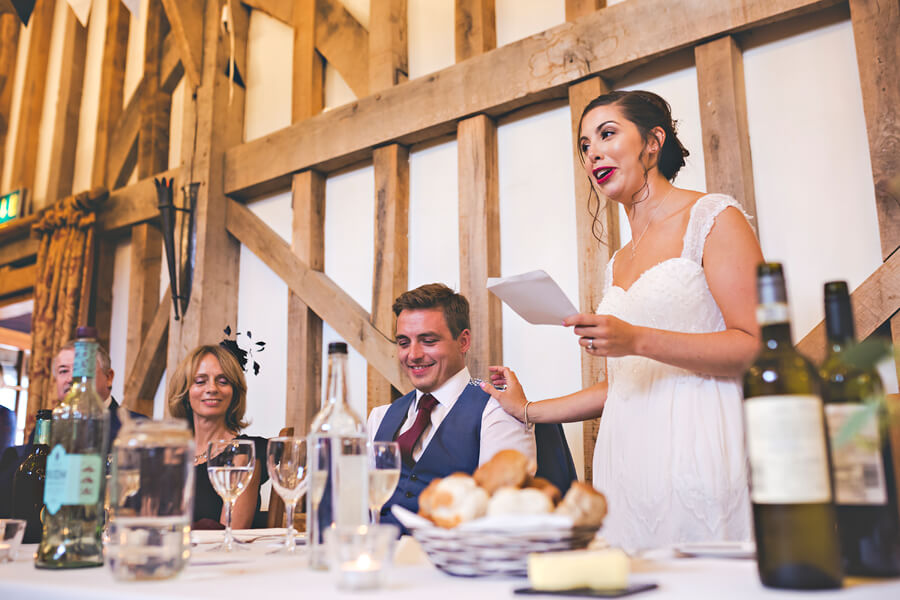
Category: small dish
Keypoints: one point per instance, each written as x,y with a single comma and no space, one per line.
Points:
717,549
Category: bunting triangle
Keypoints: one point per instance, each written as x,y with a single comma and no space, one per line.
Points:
22,8
134,6
82,10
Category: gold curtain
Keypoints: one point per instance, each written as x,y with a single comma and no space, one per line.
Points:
62,290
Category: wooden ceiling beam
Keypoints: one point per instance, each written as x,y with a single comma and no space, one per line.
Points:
18,250
17,339
344,43
318,291
16,281
875,301
133,204
518,74
186,19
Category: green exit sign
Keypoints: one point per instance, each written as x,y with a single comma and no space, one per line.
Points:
10,206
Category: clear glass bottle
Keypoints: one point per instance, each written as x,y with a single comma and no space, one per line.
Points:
28,482
76,477
864,477
797,544
338,490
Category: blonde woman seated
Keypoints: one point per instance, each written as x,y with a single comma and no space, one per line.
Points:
209,390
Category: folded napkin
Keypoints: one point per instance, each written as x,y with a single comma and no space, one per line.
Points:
241,535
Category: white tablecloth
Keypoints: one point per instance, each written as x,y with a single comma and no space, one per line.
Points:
255,575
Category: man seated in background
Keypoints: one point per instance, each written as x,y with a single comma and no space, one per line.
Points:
446,424
61,368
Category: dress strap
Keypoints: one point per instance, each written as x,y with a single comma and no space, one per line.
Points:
703,217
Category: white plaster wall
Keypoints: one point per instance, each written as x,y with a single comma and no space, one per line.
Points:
517,19
431,35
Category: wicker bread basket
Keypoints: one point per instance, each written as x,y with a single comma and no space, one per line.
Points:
479,549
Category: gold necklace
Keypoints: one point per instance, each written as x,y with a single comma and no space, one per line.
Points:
634,243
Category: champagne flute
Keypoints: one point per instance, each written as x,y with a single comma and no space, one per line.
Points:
384,474
230,467
286,459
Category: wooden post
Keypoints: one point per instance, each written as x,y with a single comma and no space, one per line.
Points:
68,105
26,145
388,67
723,118
9,49
112,77
214,292
391,166
143,299
304,342
875,27
476,28
308,80
593,254
479,238
153,145
579,8
388,61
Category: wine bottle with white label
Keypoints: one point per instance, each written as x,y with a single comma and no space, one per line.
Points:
862,464
797,543
75,472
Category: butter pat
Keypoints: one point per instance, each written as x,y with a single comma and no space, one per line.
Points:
599,570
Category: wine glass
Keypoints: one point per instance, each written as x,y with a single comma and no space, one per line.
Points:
286,459
384,474
230,467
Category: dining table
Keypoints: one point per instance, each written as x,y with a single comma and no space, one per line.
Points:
260,574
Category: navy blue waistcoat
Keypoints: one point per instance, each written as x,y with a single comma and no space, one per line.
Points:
454,447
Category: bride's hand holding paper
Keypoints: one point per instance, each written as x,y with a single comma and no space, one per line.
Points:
604,335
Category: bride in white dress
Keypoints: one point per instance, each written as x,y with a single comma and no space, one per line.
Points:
677,324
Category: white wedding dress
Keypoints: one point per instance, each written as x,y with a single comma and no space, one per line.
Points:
670,449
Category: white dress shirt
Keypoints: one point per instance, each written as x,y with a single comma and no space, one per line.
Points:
499,430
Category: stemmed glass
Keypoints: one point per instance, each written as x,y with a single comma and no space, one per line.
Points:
286,459
384,474
230,467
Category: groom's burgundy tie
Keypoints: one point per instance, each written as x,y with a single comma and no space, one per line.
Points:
407,440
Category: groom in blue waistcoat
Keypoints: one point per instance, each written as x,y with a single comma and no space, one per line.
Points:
447,424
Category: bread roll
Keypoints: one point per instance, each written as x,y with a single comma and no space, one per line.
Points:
512,501
551,491
507,468
453,500
584,505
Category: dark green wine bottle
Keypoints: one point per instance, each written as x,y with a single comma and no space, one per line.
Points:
28,482
864,482
797,543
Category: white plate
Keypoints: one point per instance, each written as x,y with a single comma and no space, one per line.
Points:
717,549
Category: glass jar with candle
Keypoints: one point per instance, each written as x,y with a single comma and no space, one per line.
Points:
151,500
360,556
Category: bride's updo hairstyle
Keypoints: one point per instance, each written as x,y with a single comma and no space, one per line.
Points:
647,110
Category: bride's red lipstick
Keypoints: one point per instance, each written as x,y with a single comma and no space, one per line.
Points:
601,174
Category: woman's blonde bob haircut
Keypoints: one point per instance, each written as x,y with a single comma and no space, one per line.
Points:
179,386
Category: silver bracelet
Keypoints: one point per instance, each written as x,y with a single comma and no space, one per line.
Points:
528,426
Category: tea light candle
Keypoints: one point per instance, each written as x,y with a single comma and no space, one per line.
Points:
360,574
